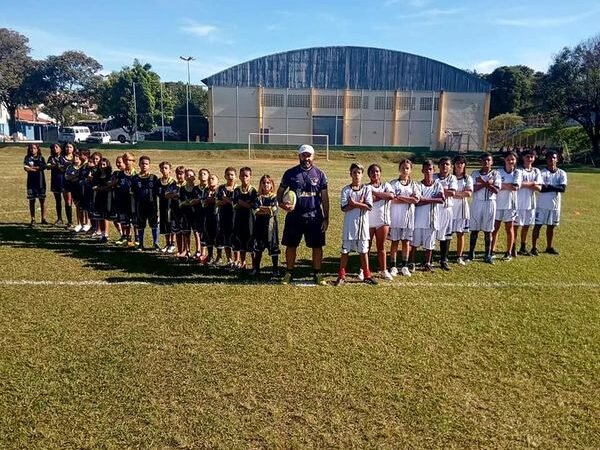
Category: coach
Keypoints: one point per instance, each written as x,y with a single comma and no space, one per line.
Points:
309,217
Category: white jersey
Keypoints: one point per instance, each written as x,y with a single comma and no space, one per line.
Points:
356,220
551,200
461,210
380,214
427,216
403,214
507,199
526,195
485,195
449,182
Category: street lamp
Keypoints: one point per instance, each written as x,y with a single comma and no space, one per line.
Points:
187,106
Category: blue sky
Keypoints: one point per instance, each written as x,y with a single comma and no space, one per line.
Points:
466,34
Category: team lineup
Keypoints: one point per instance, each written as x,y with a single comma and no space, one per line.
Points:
226,224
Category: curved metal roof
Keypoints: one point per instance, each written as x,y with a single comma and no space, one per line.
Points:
348,68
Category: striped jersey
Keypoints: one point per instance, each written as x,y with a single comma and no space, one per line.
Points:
356,220
427,216
461,209
526,196
381,208
507,198
402,215
551,200
485,195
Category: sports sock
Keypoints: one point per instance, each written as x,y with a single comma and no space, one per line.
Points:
405,263
210,251
32,208
141,237
275,259
342,273
58,199
444,247
487,244
472,242
154,236
69,213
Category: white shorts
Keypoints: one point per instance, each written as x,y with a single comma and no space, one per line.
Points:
378,219
424,237
444,233
547,216
525,217
400,234
506,215
483,214
358,246
460,225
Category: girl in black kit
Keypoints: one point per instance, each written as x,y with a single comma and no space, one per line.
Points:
56,164
35,164
266,230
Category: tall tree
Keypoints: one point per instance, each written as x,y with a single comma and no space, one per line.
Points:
198,109
115,97
20,78
572,88
513,91
71,78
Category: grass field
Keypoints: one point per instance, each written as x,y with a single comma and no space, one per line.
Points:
105,348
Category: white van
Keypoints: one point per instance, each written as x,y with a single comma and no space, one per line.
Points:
74,134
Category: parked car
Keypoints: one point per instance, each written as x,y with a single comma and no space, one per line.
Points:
74,134
122,135
98,137
157,136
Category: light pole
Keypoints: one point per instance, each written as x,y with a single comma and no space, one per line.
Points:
187,105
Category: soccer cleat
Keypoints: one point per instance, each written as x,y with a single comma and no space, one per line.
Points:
523,252
275,273
254,273
171,249
156,248
460,261
287,278
412,267
44,222
370,280
513,252
361,275
534,252
444,265
58,223
386,275
164,249
470,257
139,248
86,228
394,271
406,272
489,259
319,281
428,267
339,281
507,257
77,228
551,251
103,239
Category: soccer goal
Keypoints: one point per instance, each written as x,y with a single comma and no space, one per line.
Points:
266,145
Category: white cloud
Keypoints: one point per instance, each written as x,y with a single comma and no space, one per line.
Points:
412,3
211,33
544,22
486,66
432,13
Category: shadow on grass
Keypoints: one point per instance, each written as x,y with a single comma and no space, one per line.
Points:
146,267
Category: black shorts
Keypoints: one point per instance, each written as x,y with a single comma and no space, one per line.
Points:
164,216
297,226
146,212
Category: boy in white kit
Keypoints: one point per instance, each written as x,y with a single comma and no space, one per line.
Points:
461,209
531,182
356,202
554,182
486,184
450,185
427,221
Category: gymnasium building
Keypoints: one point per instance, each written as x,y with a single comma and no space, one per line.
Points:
357,96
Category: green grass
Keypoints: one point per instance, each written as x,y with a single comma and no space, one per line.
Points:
165,355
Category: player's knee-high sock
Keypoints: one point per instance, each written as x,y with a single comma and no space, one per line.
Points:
275,260
256,257
487,240
210,251
43,208
444,250
141,232
69,213
154,236
32,208
58,199
472,243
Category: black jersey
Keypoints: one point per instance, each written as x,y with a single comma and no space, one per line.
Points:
57,173
266,230
243,218
36,181
145,189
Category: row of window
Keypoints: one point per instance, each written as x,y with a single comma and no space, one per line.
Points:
353,102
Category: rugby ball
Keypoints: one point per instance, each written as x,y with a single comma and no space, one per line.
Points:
290,197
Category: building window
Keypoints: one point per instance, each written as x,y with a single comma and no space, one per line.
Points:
330,101
425,103
407,103
298,101
272,100
383,102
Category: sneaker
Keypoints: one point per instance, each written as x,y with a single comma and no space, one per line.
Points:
254,273
275,273
523,252
444,265
77,228
44,222
551,251
96,235
157,248
412,267
534,252
164,249
287,278
370,280
58,223
394,271
131,244
103,239
428,267
513,252
319,281
339,281
386,275
171,249
507,257
209,261
489,259
470,257
86,228
405,271
460,261
139,248
361,275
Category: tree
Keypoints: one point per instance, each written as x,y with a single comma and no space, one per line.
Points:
20,76
501,128
572,88
115,97
71,79
514,89
198,109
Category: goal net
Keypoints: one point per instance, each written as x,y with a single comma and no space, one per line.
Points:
269,145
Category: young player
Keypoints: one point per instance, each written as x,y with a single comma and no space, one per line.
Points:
266,230
427,212
506,204
445,209
211,219
461,210
35,164
189,197
356,202
66,159
89,194
486,184
379,217
86,191
124,204
57,179
244,198
531,182
165,186
102,196
144,188
402,216
200,212
554,183
176,215
74,188
225,205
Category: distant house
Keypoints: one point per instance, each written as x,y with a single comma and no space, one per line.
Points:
35,125
3,120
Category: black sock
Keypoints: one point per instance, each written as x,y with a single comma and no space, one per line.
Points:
32,208
275,259
58,199
487,243
69,213
523,248
257,258
472,242
210,252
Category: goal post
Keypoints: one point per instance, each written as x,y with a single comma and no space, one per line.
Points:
285,142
